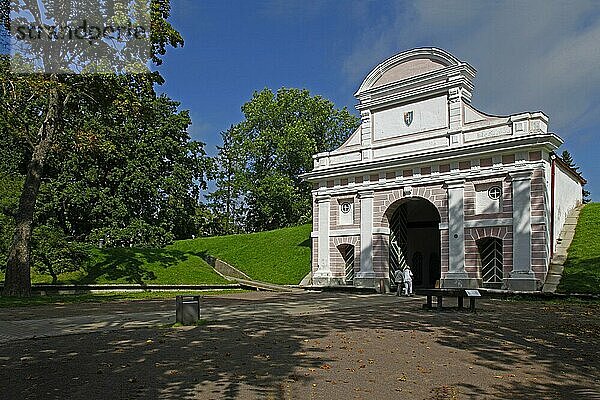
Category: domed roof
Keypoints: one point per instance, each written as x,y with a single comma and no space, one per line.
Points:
407,65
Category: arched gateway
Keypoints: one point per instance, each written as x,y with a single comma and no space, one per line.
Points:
414,240
466,198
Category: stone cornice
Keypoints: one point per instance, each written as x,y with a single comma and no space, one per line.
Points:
549,141
437,179
397,94
320,198
521,175
455,183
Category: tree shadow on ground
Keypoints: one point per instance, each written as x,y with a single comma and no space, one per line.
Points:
130,265
561,337
277,347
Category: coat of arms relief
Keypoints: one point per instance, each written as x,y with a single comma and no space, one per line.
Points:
408,118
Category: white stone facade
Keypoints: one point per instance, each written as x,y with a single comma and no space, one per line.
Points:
467,199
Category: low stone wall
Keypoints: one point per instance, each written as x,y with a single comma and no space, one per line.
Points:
225,269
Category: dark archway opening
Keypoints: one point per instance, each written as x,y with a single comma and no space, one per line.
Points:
415,241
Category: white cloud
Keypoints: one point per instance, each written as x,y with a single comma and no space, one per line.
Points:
534,55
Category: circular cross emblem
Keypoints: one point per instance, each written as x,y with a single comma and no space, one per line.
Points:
495,192
346,208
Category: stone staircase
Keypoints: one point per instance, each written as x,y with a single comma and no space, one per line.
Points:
556,267
269,287
233,274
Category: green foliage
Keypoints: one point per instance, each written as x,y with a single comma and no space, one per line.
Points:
582,268
128,178
226,201
51,114
13,153
281,256
263,157
95,54
6,232
53,253
10,189
568,159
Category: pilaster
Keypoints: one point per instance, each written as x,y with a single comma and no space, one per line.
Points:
455,109
366,276
323,274
456,275
521,277
366,136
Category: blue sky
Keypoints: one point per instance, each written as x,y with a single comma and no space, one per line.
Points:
530,55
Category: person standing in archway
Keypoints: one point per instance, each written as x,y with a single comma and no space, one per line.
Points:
398,275
407,276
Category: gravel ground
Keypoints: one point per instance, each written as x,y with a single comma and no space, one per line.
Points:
314,346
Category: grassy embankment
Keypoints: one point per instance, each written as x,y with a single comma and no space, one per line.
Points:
281,256
139,266
582,269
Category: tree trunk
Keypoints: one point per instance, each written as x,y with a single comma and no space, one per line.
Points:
17,281
52,273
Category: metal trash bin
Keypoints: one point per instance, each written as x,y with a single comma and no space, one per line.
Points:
187,309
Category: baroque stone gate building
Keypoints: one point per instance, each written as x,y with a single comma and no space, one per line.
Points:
465,198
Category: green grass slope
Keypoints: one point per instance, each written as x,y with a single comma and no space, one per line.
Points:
281,256
582,269
150,266
139,266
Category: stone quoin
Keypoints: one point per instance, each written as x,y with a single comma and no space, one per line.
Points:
464,198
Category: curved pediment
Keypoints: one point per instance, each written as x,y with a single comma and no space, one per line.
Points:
406,65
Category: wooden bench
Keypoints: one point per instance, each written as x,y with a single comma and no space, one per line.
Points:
460,294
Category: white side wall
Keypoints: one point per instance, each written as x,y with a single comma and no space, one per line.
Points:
568,194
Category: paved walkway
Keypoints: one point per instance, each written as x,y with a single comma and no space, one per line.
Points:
259,345
294,305
48,327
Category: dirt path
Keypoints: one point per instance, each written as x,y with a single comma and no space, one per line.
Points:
320,346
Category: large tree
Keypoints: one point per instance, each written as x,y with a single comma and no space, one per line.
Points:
272,147
134,177
44,108
226,202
